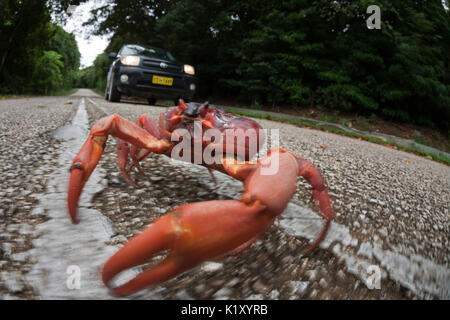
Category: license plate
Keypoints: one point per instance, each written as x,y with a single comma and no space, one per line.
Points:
165,81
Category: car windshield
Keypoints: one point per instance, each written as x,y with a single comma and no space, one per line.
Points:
147,51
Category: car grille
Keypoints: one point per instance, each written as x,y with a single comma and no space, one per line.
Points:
155,64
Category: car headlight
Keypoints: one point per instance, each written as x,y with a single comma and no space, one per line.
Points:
130,60
189,69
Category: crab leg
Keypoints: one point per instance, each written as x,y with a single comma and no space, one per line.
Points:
147,123
157,129
210,230
194,233
123,149
305,170
320,196
89,155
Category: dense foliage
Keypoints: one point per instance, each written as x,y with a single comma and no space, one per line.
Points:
95,76
36,55
291,53
301,53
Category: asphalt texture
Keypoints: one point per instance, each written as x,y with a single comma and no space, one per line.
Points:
392,214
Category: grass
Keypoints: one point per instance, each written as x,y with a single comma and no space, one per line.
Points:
364,125
13,96
344,122
421,139
307,124
63,92
57,93
325,118
334,118
256,106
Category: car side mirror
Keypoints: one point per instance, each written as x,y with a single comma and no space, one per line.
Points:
112,55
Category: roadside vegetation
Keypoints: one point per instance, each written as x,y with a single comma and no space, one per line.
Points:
430,135
94,77
60,92
299,53
312,125
36,55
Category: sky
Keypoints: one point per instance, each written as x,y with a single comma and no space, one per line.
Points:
89,46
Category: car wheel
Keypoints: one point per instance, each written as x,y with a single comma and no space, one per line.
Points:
114,95
151,101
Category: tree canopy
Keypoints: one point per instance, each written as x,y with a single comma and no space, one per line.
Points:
36,55
271,52
301,53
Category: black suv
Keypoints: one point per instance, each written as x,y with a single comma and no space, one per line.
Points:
150,73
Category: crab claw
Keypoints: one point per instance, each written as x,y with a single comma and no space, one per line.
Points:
193,233
75,187
87,158
82,167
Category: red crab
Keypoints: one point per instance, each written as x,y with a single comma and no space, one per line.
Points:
201,231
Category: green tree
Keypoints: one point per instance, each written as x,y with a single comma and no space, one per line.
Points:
48,72
65,44
101,67
26,33
23,26
130,21
416,86
302,53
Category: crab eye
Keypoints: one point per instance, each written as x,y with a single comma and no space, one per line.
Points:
183,106
204,109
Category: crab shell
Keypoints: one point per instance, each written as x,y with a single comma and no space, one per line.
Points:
239,136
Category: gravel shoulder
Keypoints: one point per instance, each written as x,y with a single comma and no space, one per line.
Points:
383,197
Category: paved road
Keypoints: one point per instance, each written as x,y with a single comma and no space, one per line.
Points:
392,221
